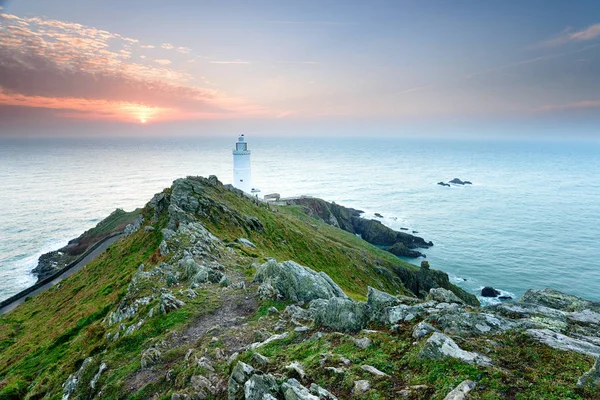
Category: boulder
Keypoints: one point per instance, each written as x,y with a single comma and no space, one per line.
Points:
372,370
461,391
168,303
295,370
489,291
261,387
293,390
150,357
340,314
246,242
563,342
422,329
240,374
296,282
442,295
440,346
321,393
378,302
591,378
558,300
360,387
362,343
473,324
403,312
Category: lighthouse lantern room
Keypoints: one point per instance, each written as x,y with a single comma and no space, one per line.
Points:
242,177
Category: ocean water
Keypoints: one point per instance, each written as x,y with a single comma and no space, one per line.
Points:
531,219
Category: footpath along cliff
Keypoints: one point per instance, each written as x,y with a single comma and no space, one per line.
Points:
212,296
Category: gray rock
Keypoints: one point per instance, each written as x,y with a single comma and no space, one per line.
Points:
103,367
461,391
296,370
150,357
372,370
260,387
341,314
422,329
164,248
558,300
442,295
72,381
293,390
360,387
403,312
240,374
563,342
273,338
201,384
246,242
133,227
585,316
296,313
591,378
321,393
273,311
149,228
260,359
296,282
440,346
378,302
363,343
473,324
168,303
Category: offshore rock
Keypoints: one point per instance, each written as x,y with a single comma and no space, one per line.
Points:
399,249
489,291
341,314
296,282
442,295
440,346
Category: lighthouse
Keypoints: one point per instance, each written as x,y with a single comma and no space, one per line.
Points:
242,177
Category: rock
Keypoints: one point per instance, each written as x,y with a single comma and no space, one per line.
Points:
372,370
362,343
591,378
134,227
378,215
461,391
296,370
240,374
585,316
505,297
403,312
443,184
103,367
261,387
360,387
149,228
201,384
399,249
71,383
340,314
296,282
457,181
440,346
246,242
164,248
321,393
563,342
422,329
473,324
254,224
425,265
335,370
168,303
558,300
281,336
489,291
273,311
150,357
260,359
442,295
378,303
293,390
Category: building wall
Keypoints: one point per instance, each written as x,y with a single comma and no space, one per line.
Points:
242,177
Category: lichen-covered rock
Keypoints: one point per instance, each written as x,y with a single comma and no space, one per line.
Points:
321,393
422,329
403,312
558,300
295,370
133,227
72,381
150,357
473,324
372,370
442,295
260,359
296,282
440,346
240,374
246,242
591,378
379,302
168,303
103,367
259,387
461,391
293,390
360,387
563,342
341,314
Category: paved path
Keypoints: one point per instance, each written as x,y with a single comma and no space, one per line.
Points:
95,253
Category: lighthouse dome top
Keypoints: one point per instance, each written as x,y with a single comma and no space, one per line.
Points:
241,138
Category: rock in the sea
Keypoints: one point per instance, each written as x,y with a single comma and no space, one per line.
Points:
591,378
341,314
443,184
440,346
296,282
399,249
442,295
489,291
378,215
457,181
293,390
261,387
461,391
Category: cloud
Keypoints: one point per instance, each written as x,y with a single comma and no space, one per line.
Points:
147,46
299,62
75,69
231,62
184,50
167,46
290,22
578,105
568,36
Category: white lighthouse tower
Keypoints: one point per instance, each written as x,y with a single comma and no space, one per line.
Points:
242,176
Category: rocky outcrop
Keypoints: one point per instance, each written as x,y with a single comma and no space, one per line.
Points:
591,378
457,181
296,282
558,300
440,346
340,314
461,391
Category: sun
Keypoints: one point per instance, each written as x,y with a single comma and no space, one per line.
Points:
143,120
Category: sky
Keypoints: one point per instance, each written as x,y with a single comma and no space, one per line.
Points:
416,68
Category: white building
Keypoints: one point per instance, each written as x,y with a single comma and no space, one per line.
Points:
242,176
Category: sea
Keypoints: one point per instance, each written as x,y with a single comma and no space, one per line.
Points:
530,220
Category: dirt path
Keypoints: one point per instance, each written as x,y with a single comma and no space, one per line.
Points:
95,253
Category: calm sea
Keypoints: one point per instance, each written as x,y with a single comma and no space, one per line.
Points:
531,219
